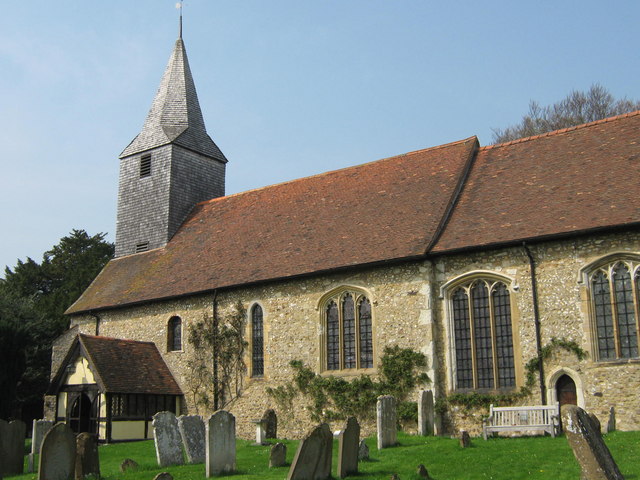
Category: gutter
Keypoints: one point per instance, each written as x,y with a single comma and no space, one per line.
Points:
536,320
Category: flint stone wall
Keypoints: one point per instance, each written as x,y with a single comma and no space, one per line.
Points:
407,311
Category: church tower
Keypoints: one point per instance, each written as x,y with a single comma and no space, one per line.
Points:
169,167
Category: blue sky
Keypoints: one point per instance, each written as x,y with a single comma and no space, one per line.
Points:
288,88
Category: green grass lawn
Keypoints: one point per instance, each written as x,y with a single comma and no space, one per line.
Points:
497,458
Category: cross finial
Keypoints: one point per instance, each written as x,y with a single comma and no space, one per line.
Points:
179,7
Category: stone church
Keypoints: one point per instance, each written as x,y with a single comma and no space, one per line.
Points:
478,257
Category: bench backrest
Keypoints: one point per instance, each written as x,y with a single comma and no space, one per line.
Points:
524,415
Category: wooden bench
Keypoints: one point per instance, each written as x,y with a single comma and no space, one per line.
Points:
522,419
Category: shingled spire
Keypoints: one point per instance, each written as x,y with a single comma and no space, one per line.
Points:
175,115
171,165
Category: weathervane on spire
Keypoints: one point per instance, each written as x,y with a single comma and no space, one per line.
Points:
179,7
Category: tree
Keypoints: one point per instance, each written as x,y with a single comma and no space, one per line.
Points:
33,299
65,272
575,109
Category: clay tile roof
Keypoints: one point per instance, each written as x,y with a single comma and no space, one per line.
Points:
127,366
569,181
381,211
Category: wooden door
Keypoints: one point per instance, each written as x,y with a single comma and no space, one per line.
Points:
566,391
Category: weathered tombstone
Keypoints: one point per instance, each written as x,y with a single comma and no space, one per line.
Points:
278,455
220,443
261,434
596,462
57,454
270,422
39,430
611,423
465,439
363,450
167,439
12,437
192,432
163,476
128,465
348,448
313,457
422,472
87,460
425,412
386,419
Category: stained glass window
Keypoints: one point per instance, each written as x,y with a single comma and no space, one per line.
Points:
257,342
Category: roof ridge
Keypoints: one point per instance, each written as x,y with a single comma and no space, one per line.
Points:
331,172
562,130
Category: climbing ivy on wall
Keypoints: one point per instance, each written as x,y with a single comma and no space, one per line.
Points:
217,367
333,398
481,400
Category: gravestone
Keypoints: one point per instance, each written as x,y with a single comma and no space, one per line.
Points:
596,462
57,454
192,432
220,443
87,460
313,457
128,465
611,423
163,476
422,472
12,437
465,439
425,412
386,421
363,450
261,434
278,455
348,440
38,431
166,437
270,423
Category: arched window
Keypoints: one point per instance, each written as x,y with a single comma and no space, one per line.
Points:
615,293
348,334
482,331
174,334
257,342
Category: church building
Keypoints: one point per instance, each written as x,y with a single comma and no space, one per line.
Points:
478,257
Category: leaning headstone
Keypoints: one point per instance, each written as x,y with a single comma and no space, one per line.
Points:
87,460
465,439
128,465
611,423
425,413
270,422
596,462
39,430
220,443
193,437
363,450
348,448
313,457
278,455
12,437
57,454
167,439
386,418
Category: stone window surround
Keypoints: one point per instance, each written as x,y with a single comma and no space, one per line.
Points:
446,290
170,334
252,306
585,274
337,294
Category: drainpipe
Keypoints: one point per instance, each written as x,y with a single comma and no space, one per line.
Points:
216,391
536,319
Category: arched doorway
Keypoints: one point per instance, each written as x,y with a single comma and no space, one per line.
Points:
566,391
83,414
